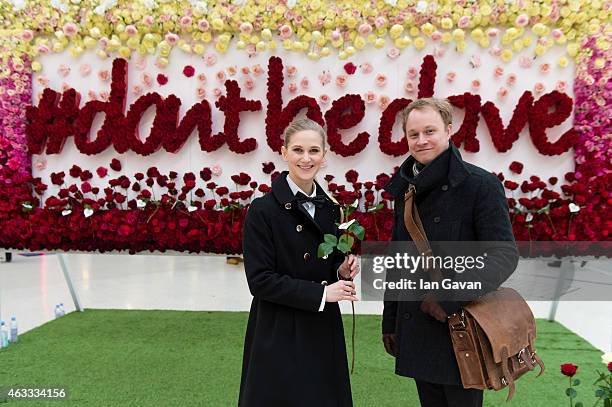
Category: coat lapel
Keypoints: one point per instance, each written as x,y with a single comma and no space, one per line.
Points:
324,217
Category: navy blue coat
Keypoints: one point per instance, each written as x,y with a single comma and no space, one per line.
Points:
294,355
457,201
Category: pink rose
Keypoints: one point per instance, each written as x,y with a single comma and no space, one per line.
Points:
335,35
217,92
463,22
203,25
557,33
324,99
249,83
40,164
365,29
220,75
231,71
495,51
393,52
292,87
544,68
409,86
291,71
185,21
210,59
304,83
65,87
92,95
525,62
498,72
104,96
539,87
245,70
202,77
63,70
149,20
131,30
436,36
492,32
511,79
325,78
379,21
147,79
381,80
165,18
200,92
216,170
476,84
366,68
104,75
502,93
136,90
43,81
412,72
341,80
70,29
383,101
285,31
141,63
475,61
561,85
43,49
257,70
85,69
522,20
27,35
450,77
171,38
370,97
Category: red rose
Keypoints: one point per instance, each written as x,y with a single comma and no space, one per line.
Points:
511,185
268,167
350,68
329,177
75,171
222,190
188,71
553,180
139,176
200,193
210,204
264,188
115,164
162,79
610,367
569,369
516,167
206,174
85,187
253,184
351,176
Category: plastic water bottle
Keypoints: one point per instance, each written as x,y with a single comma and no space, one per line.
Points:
58,311
62,310
4,335
14,334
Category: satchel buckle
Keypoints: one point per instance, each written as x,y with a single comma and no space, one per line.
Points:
460,324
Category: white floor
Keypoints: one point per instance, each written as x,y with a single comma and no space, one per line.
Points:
31,286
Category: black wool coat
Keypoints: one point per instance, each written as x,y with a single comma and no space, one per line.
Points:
457,201
294,355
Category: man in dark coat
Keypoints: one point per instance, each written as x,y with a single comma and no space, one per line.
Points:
457,201
294,351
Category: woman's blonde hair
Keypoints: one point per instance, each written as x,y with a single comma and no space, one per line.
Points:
301,125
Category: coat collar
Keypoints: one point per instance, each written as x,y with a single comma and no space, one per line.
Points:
324,217
447,166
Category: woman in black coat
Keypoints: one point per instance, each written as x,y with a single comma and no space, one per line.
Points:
294,350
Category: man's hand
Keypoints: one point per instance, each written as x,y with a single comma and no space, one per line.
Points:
349,267
430,306
389,342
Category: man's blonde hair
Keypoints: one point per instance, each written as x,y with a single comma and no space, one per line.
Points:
300,125
442,106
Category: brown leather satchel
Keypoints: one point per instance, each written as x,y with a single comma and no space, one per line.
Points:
494,336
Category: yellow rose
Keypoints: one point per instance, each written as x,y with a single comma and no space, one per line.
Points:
379,43
419,43
221,46
517,45
458,34
272,45
506,55
217,24
240,44
315,5
540,50
396,30
95,32
372,38
162,62
446,37
477,34
325,51
512,33
461,45
199,48
572,49
539,29
342,55
414,31
593,29
600,63
602,44
351,50
266,34
260,46
207,37
125,52
484,42
359,42
321,41
486,10
427,29
527,41
446,23
89,42
36,66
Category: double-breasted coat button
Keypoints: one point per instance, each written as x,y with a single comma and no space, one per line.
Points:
437,219
306,256
407,315
288,205
444,187
298,228
325,257
324,282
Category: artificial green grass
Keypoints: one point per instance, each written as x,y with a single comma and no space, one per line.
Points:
177,358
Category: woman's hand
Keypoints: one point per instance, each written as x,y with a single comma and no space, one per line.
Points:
342,290
349,267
